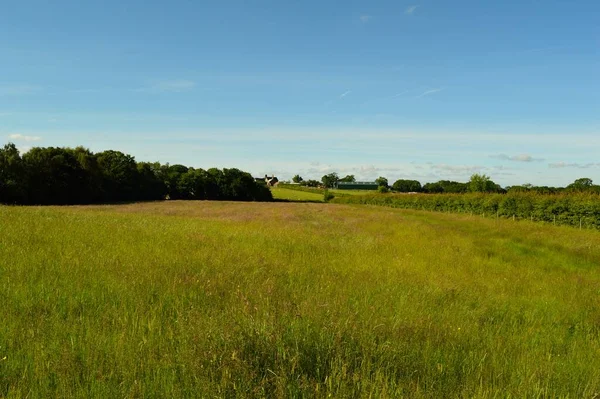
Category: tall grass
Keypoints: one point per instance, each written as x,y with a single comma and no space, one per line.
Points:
293,300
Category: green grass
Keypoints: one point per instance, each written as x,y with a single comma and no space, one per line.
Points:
217,299
287,194
344,193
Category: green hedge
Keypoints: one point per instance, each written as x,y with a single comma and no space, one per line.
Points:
563,209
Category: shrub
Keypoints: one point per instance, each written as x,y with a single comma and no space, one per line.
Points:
328,196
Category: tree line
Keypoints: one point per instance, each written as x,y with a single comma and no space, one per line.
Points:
61,176
478,183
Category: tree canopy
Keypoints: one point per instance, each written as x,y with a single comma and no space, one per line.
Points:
330,180
406,186
382,181
52,175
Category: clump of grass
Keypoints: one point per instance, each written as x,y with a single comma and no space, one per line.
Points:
293,300
328,196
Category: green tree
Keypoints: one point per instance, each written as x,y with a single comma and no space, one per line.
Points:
12,175
347,179
93,174
297,179
330,180
480,183
582,184
310,183
119,174
172,175
449,186
433,188
381,181
151,186
54,176
406,186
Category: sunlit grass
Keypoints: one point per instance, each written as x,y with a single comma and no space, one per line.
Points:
280,193
344,193
216,299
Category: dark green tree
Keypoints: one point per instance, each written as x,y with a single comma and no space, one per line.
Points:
151,186
119,176
347,179
455,187
381,181
433,188
297,179
54,176
330,180
407,186
172,175
12,175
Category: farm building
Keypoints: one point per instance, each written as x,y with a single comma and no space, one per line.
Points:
269,181
357,185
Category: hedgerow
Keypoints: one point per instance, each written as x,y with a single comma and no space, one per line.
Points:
573,209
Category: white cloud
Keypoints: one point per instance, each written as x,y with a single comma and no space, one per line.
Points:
344,94
517,158
447,169
19,90
20,137
410,10
429,92
365,18
400,94
170,86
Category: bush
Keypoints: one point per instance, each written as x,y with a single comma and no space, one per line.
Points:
328,196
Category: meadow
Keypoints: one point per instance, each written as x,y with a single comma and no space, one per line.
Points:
232,299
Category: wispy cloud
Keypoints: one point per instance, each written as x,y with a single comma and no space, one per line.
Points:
169,86
365,18
362,171
400,94
19,90
20,137
429,92
574,165
447,169
517,158
344,94
410,10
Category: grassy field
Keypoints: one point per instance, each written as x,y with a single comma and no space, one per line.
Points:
217,299
282,193
345,193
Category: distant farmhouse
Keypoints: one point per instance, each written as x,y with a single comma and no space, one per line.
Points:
269,181
357,185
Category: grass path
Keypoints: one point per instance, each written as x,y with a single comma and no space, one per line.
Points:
217,299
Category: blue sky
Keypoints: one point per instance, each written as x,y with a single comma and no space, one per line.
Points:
427,90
